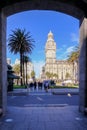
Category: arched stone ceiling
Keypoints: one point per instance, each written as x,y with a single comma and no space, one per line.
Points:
75,8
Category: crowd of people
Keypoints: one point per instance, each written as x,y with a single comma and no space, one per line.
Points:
46,84
40,85
35,85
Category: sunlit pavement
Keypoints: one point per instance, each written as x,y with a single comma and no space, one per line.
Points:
63,117
39,98
43,92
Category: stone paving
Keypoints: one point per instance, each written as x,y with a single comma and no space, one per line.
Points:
43,118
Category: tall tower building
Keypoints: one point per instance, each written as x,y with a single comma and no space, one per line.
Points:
50,51
58,69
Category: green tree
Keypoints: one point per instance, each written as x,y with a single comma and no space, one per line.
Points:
67,75
48,74
16,69
51,75
33,74
55,76
28,76
74,56
20,42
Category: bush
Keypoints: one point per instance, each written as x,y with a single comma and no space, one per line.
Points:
18,86
57,87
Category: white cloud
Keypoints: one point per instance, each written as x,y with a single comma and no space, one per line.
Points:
62,56
74,37
38,67
64,46
69,49
65,53
61,49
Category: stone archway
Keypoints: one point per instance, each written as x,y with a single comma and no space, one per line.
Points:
76,9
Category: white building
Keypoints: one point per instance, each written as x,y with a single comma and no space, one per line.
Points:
61,69
30,68
9,61
17,61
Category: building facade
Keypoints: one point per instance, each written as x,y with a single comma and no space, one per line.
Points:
58,69
9,61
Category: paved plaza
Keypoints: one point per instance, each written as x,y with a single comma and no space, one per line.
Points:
65,117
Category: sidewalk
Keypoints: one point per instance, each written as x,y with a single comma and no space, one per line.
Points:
65,91
43,118
63,117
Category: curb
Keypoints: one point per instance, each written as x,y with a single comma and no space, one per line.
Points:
65,93
17,94
46,105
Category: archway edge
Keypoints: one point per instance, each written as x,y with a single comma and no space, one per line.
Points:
24,5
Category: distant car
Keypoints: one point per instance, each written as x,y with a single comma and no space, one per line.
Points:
68,81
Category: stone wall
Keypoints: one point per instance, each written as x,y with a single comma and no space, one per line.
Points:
83,65
3,64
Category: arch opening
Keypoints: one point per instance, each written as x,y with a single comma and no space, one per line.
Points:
52,21
69,8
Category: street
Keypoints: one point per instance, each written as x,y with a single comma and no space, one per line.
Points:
43,99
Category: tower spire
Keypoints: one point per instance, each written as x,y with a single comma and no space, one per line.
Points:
50,35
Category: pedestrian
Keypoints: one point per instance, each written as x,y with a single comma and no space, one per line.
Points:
35,84
46,86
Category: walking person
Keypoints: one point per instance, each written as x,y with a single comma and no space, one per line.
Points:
46,86
35,85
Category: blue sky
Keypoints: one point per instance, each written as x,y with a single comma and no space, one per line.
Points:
64,28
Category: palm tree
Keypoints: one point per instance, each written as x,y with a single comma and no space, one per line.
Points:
26,60
16,69
74,56
20,42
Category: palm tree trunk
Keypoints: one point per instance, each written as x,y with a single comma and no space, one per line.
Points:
21,68
73,72
23,72
26,73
